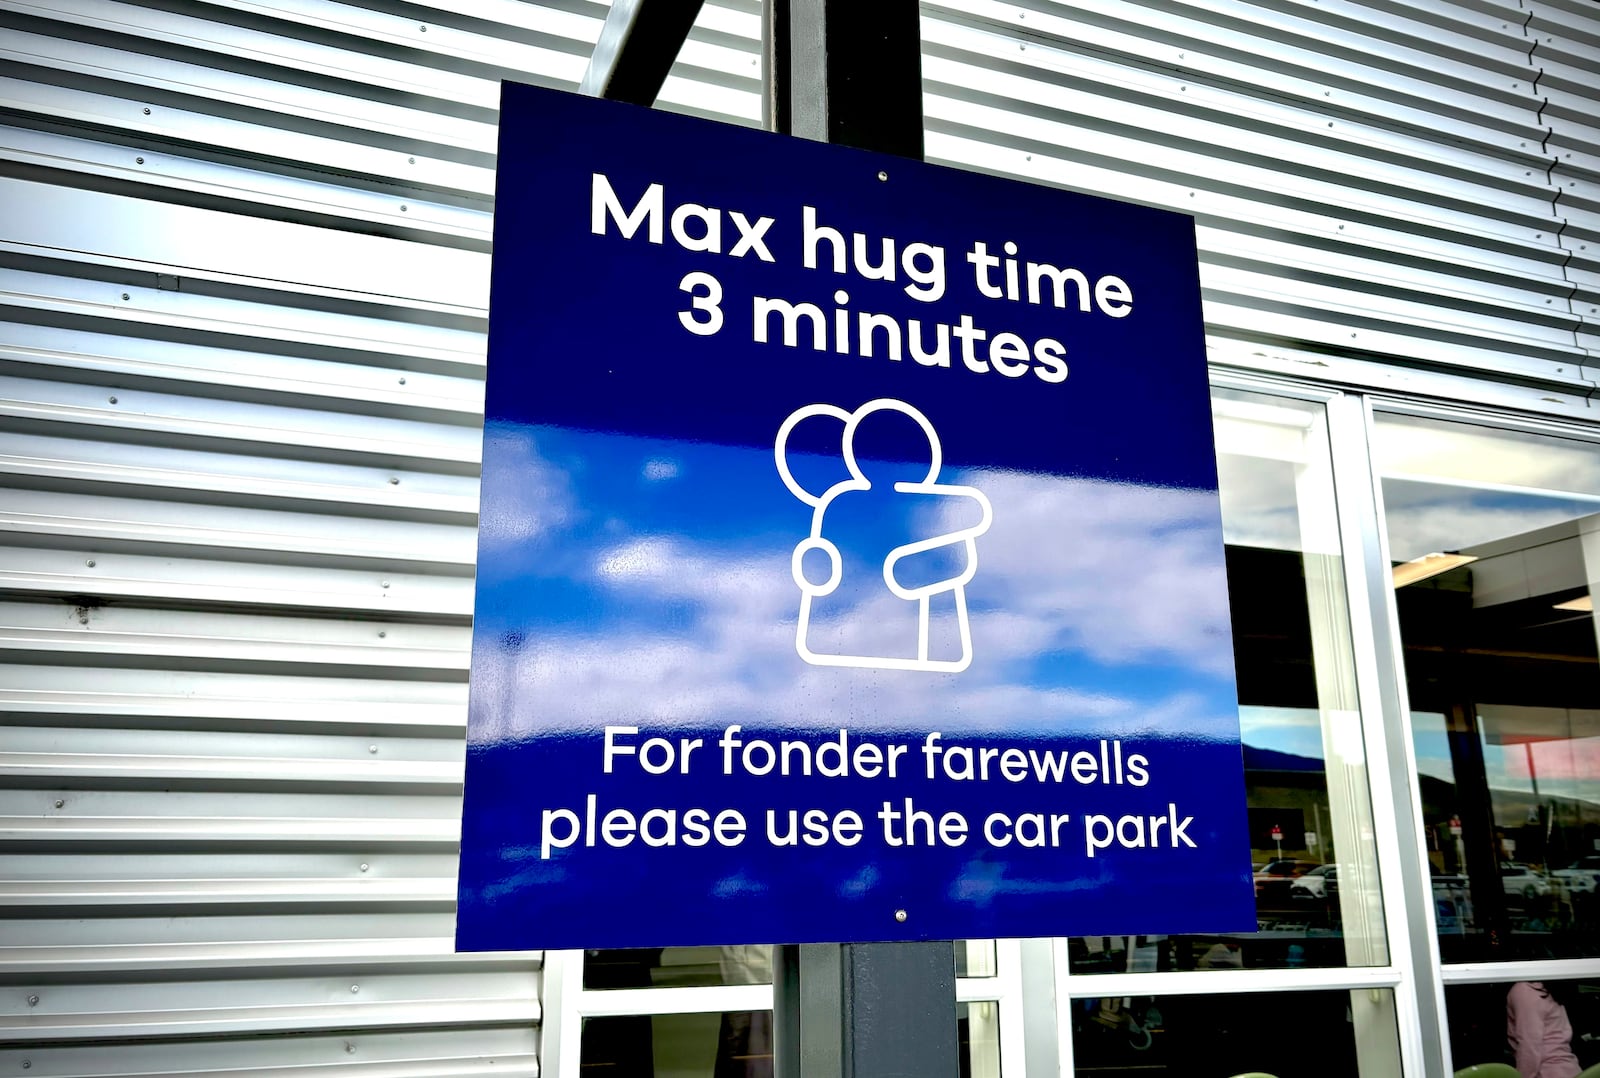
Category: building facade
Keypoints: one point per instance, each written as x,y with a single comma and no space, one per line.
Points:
244,256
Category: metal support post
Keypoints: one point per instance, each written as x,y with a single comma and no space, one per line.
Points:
851,72
846,71
637,46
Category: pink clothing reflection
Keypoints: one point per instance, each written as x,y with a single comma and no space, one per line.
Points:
1539,1032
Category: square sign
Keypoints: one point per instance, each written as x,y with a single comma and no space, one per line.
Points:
850,562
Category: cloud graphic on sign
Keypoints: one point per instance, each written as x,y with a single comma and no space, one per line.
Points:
1094,614
541,499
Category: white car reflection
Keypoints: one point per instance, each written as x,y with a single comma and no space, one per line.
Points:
1582,877
1518,880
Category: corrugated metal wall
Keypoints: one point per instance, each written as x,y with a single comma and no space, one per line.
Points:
243,259
243,272
1412,182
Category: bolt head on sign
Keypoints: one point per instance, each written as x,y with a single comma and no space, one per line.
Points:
850,560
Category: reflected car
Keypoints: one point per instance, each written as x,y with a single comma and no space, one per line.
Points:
1582,877
1321,882
1275,877
1517,879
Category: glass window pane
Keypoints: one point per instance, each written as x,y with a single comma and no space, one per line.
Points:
1496,540
978,1037
1330,1034
1552,1024
976,958
1312,855
677,967
737,1044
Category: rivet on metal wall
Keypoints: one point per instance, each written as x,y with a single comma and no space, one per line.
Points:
33,1001
371,748
111,400
147,112
60,802
90,563
365,866
138,160
394,480
355,988
900,915
402,381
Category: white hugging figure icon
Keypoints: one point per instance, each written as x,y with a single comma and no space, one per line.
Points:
874,592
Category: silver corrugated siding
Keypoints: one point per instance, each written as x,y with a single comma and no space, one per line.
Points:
243,276
243,259
1409,183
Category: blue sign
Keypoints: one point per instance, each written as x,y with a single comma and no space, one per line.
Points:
850,563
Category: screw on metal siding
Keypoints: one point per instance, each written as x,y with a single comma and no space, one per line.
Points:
355,988
111,400
883,175
138,160
147,112
371,748
394,480
60,802
365,866
900,915
382,634
33,1001
402,381
90,563
124,295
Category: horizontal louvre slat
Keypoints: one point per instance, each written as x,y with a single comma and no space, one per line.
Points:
502,1051
44,220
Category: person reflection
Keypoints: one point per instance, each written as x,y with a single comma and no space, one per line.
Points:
1539,1031
744,1043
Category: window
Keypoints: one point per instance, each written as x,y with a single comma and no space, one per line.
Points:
1313,858
1495,539
1312,990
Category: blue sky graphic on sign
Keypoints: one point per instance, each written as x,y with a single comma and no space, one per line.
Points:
850,565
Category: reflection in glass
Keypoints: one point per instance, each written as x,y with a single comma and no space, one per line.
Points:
737,1044
1313,860
976,958
677,967
1525,1024
978,1033
1496,540
1337,1034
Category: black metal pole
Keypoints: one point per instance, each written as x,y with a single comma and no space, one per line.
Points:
850,71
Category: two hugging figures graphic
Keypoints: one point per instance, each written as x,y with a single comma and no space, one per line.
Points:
883,574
